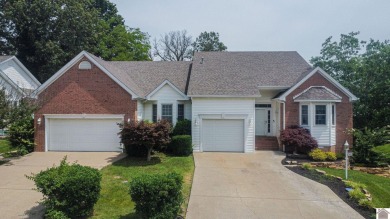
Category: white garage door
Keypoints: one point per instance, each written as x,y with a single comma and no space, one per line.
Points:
223,135
83,135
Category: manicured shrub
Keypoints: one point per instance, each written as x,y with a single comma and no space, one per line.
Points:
307,166
340,156
54,214
71,189
317,155
182,127
331,156
298,139
365,141
21,135
157,195
141,136
181,145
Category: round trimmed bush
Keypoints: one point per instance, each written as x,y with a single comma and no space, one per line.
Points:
71,189
331,156
182,127
157,195
317,155
181,145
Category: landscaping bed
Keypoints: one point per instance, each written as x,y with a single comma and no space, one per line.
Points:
115,200
336,185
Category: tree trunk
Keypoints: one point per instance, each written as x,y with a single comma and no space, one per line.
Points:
149,156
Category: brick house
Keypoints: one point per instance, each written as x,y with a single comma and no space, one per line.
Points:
237,101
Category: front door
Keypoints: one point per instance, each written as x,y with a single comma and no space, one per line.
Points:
263,118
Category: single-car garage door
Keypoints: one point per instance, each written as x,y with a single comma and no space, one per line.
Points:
83,135
223,135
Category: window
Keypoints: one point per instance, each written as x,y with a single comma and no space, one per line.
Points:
166,112
180,112
263,105
333,114
320,115
154,112
304,115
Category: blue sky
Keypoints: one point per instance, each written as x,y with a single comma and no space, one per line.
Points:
257,25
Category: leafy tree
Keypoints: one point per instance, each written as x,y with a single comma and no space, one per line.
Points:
363,68
208,41
144,134
46,34
5,105
173,46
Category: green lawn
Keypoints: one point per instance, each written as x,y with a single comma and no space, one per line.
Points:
378,186
115,201
5,146
384,149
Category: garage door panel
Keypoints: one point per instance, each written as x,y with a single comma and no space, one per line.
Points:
223,135
83,135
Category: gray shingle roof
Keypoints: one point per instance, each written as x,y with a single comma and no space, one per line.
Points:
241,73
142,77
317,93
3,58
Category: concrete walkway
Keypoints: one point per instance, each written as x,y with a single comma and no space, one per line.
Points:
256,185
17,199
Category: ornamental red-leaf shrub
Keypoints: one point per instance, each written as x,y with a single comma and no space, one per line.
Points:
142,136
297,139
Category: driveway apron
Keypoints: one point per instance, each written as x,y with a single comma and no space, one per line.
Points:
257,185
17,197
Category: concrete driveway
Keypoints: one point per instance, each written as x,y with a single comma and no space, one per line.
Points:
17,198
256,185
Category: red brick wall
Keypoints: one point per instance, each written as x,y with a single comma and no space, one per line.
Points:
343,109
82,91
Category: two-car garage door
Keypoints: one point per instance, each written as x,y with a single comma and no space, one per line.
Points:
223,135
83,134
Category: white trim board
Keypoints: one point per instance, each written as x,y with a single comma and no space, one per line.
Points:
84,116
66,67
326,76
167,82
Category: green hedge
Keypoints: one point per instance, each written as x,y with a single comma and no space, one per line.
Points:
158,195
181,145
71,189
182,127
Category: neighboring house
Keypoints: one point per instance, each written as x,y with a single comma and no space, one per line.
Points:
237,101
15,78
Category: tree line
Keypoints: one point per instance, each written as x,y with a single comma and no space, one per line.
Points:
46,34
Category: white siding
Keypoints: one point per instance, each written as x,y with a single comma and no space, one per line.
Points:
224,108
140,110
333,136
322,134
187,109
166,93
148,110
18,75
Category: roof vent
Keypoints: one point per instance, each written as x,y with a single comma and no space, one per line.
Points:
201,61
84,65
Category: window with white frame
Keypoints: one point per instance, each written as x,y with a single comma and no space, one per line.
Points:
304,115
333,114
180,112
166,112
154,113
320,114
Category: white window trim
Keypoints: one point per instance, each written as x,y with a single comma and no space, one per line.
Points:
333,115
315,114
172,105
308,114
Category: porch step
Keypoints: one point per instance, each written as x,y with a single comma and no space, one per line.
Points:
267,143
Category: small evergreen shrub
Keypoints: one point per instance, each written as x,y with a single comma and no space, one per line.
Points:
54,214
317,155
331,156
340,156
69,188
157,195
298,139
181,145
182,127
307,166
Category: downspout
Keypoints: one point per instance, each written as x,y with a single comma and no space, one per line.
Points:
284,120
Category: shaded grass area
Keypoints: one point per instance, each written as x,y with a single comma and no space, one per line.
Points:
115,200
5,146
383,150
378,186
